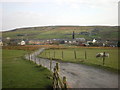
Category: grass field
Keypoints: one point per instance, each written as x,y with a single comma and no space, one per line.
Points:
69,56
20,73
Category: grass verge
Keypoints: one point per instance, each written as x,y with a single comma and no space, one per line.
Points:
20,73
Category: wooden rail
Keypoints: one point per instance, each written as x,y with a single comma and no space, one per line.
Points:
57,81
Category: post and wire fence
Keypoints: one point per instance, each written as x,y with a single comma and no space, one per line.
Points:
61,55
73,55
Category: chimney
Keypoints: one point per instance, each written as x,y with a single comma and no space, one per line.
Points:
73,35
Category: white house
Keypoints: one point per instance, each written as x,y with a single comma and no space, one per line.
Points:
94,41
103,44
8,38
22,43
1,43
66,41
70,41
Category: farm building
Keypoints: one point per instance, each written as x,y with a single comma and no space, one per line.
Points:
36,42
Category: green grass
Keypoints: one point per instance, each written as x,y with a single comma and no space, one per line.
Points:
111,62
51,32
20,73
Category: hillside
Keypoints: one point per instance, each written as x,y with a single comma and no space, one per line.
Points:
51,32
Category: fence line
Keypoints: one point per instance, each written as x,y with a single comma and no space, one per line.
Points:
75,55
58,82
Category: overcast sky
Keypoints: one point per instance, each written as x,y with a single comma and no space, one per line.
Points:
30,13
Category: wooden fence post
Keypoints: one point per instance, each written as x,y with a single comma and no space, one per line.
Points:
85,55
34,58
29,57
65,82
50,64
54,79
62,55
56,76
75,54
59,83
57,66
103,58
49,54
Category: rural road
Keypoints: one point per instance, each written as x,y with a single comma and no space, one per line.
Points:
80,76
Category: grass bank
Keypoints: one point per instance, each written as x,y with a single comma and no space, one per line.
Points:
20,73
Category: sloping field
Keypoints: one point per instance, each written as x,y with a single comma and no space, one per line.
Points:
51,32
